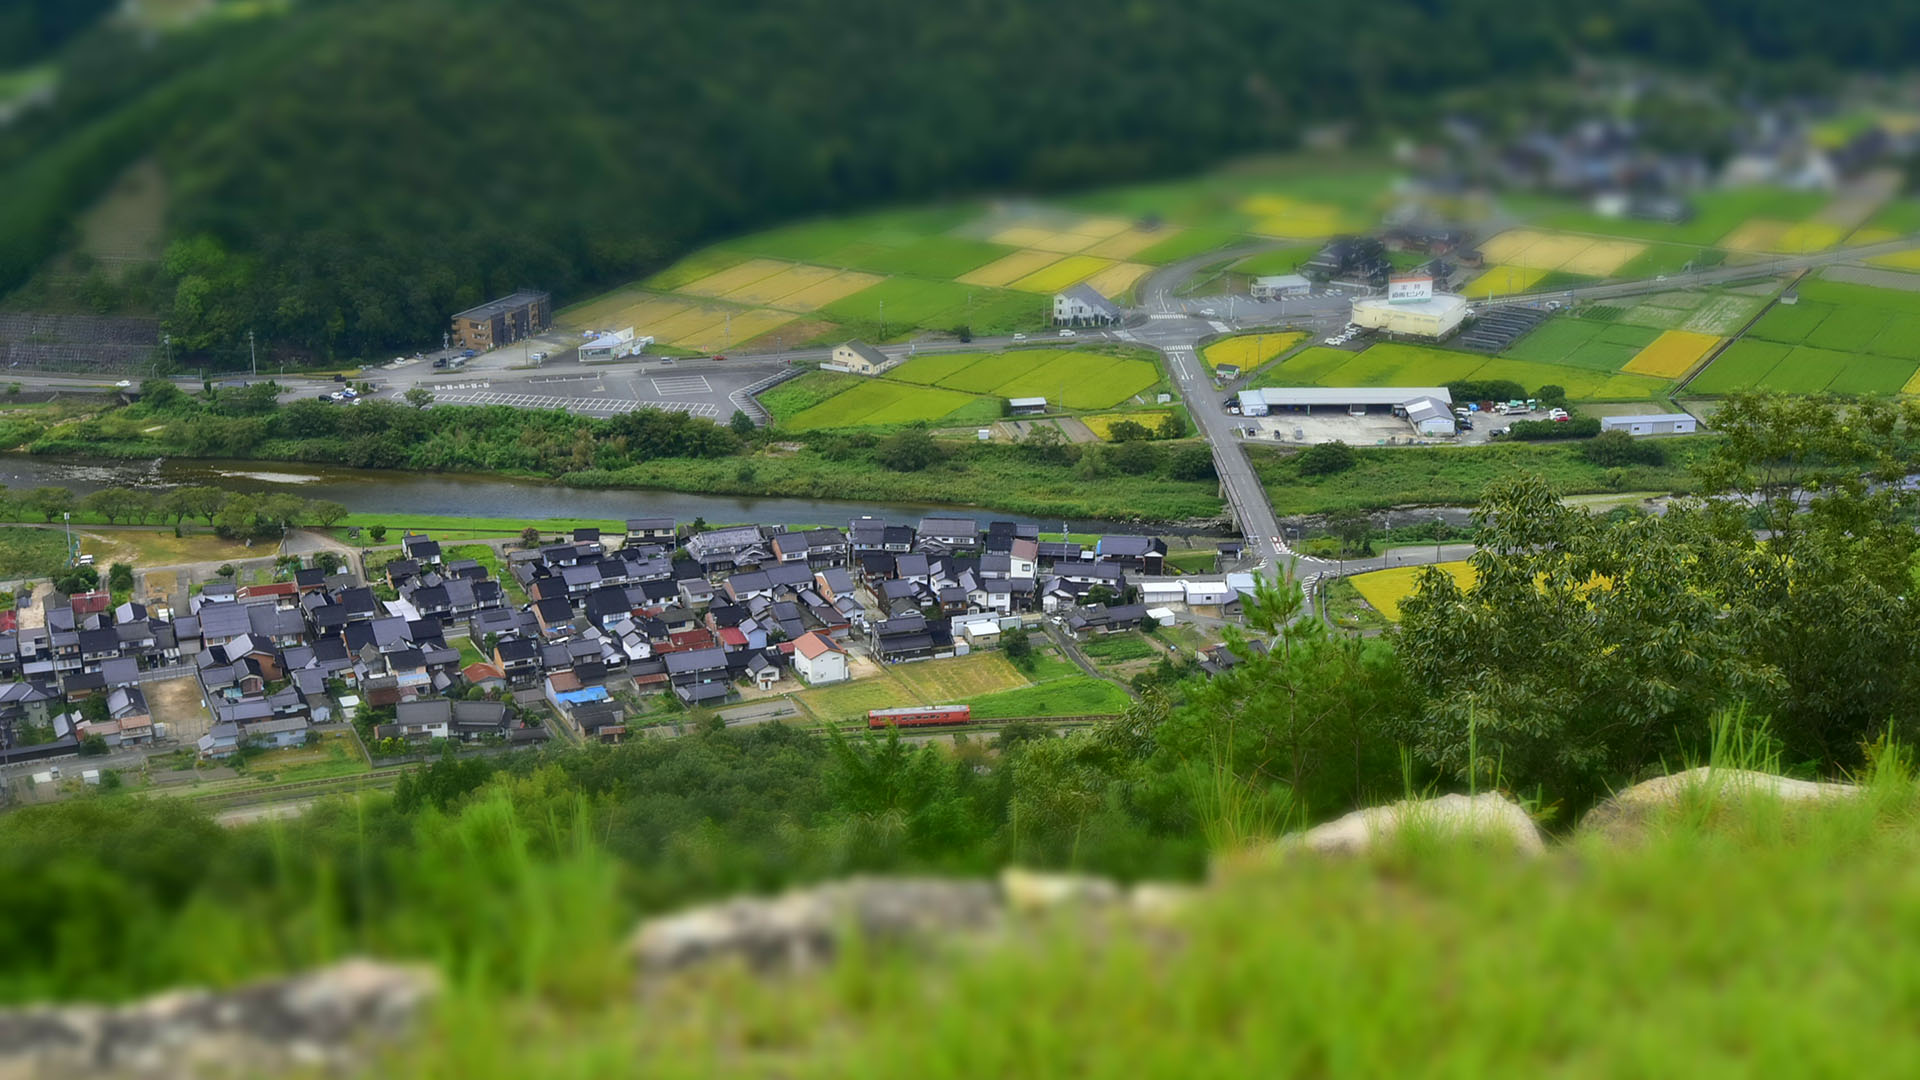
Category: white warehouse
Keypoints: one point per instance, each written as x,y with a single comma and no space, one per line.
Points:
1434,317
1652,424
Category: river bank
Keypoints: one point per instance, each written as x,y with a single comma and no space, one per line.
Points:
487,504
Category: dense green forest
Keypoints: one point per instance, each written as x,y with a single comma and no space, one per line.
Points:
342,175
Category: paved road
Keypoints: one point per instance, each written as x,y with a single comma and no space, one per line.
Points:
1782,264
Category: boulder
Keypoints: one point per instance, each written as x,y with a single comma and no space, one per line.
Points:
1488,816
805,928
1627,812
326,1021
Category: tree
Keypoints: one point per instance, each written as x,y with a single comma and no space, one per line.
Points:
227,570
93,746
1324,459
1354,529
907,450
109,503
418,396
50,502
377,533
1121,431
326,513
1102,594
1192,463
120,577
530,537
1134,458
1616,448
1172,426
1584,651
1294,727
161,395
741,423
327,562
1552,395
1018,645
1045,443
78,579
201,501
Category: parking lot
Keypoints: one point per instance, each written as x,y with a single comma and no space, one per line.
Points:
707,390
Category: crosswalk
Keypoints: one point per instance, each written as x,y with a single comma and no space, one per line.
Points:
594,406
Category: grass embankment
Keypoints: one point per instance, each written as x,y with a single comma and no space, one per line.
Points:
983,475
1400,476
1432,958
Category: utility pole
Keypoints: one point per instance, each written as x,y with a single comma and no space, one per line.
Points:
72,552
883,320
253,362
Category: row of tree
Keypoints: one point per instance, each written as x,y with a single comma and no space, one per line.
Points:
231,513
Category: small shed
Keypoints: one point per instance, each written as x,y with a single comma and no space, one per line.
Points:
1027,406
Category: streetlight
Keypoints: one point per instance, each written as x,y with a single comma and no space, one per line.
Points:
67,516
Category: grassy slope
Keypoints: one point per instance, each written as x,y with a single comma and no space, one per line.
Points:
1396,476
1431,959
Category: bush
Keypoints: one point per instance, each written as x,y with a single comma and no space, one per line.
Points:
1324,459
1486,390
1585,427
1192,463
1614,449
1134,458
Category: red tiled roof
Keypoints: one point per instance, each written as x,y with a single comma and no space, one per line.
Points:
474,673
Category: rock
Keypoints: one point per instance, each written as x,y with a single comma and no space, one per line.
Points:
326,1020
804,928
1028,892
1489,816
1627,812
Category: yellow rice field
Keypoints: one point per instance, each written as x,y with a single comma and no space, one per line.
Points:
730,332
734,277
816,296
1503,279
1782,237
1672,354
1249,351
1385,589
1535,249
1132,242
788,281
1008,268
1068,271
1102,425
1115,280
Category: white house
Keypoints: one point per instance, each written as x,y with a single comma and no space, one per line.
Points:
818,660
1082,305
859,358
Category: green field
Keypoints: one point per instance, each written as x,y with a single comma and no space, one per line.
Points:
1752,364
1716,213
1073,378
1078,695
1419,365
795,396
1582,343
1282,261
1839,338
930,257
879,402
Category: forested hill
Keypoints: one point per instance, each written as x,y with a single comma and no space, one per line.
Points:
343,173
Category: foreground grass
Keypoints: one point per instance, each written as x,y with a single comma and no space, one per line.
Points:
1430,959
1456,475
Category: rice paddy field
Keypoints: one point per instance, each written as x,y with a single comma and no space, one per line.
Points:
1419,365
1672,354
1249,351
1719,313
1838,338
1102,425
960,387
881,402
1073,378
891,274
1385,589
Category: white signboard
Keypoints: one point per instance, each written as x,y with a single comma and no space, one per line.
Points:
1409,290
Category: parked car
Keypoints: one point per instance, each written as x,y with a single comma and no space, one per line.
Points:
1463,424
1019,337
1209,312
469,353
339,378
440,363
124,383
1068,333
719,358
537,357
1557,414
326,397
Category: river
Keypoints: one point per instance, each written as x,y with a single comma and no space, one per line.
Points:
378,491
